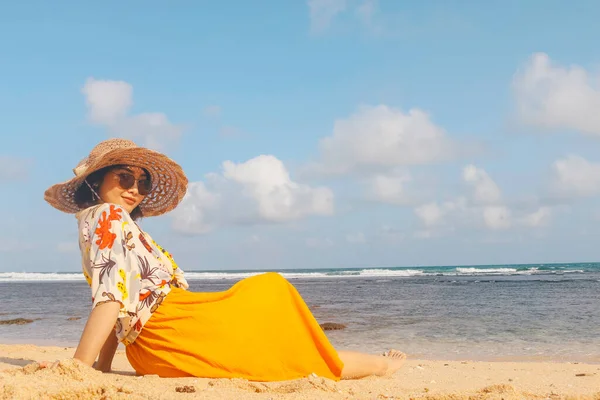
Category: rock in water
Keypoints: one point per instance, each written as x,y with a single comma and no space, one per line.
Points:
16,321
332,326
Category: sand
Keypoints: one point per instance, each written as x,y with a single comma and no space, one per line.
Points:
21,378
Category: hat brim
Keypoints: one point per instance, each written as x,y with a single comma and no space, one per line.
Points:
169,183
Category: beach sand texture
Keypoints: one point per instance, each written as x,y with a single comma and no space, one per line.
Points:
418,379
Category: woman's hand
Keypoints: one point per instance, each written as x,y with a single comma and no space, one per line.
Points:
48,364
52,364
102,368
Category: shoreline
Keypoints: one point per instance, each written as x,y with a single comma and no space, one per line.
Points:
431,379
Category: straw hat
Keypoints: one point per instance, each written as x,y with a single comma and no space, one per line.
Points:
169,183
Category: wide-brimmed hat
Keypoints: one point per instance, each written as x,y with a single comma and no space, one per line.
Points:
169,183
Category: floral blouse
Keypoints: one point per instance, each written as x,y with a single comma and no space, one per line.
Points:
122,263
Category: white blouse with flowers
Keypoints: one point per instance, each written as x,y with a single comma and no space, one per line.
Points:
122,263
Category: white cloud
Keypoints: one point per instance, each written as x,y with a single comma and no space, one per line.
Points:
356,238
13,168
196,214
107,101
377,145
433,215
390,188
552,96
154,129
485,189
322,12
444,218
540,217
258,190
574,176
266,179
484,207
497,217
366,10
430,214
108,105
381,138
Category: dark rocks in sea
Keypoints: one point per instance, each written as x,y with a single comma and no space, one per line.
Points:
16,321
73,318
332,326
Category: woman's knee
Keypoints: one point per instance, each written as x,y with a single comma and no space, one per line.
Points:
273,278
270,285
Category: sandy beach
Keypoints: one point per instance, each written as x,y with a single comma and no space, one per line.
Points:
20,378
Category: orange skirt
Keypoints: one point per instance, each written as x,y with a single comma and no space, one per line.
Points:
260,329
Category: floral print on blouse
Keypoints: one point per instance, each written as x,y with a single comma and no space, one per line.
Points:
121,263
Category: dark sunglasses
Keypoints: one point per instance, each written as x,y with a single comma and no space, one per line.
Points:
126,181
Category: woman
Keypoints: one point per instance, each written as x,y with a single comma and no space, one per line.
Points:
260,329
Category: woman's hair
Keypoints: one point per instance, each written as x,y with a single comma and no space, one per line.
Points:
85,198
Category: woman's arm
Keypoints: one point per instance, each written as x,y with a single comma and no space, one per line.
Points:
107,353
99,325
115,283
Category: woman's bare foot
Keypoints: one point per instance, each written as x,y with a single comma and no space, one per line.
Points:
395,360
360,365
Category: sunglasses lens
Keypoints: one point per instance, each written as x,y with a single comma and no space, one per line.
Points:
126,181
144,186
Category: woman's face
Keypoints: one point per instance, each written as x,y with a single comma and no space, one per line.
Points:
111,191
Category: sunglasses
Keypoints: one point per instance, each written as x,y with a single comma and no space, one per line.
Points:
126,181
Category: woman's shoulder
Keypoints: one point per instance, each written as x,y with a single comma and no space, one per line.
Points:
104,211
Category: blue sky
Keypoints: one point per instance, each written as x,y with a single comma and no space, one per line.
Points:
316,134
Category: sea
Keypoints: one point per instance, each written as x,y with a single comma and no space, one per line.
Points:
533,312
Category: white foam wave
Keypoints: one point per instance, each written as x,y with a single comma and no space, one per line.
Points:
331,274
217,275
365,273
39,276
530,271
241,275
513,271
485,271
391,272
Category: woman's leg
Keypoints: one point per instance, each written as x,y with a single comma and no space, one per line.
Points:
360,365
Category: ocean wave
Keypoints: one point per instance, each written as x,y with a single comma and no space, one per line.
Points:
392,272
364,273
39,276
513,271
321,274
241,275
485,271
